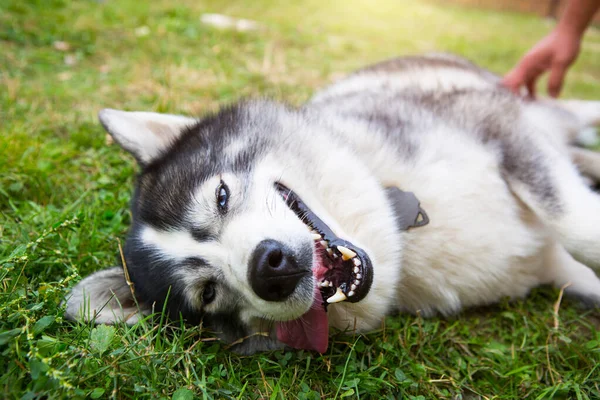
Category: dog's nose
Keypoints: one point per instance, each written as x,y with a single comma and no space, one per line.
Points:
273,271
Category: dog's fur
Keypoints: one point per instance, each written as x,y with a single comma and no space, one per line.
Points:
509,210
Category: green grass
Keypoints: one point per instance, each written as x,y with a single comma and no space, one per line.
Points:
64,201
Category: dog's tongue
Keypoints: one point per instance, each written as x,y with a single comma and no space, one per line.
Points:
310,331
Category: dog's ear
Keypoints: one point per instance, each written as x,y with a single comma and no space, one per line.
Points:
144,134
105,298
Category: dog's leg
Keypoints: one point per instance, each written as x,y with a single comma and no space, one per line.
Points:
574,119
579,281
587,112
578,121
540,172
586,115
587,161
545,179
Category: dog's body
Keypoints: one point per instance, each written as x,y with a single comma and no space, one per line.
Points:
508,210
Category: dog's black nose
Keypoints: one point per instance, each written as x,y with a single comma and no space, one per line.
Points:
273,271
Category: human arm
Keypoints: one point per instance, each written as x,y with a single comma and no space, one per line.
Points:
555,52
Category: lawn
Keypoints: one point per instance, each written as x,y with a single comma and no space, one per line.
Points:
64,193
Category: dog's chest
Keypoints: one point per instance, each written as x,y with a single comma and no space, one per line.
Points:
481,243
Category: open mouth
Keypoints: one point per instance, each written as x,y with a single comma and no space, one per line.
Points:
345,271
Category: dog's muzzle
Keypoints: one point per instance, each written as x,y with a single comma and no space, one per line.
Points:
274,272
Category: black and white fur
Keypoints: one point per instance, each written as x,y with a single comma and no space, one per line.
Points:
508,207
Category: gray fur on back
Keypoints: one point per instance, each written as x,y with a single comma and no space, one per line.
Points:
404,98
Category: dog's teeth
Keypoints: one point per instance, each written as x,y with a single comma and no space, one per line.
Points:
358,277
353,287
357,282
324,284
329,251
337,297
323,244
356,261
356,270
346,253
316,236
351,293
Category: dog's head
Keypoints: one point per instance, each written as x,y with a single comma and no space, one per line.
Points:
222,232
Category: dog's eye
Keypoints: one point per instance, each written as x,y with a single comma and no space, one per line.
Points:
209,292
222,196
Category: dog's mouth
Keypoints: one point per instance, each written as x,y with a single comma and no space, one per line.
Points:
344,271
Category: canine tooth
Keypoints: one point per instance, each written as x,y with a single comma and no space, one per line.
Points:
316,236
353,287
356,270
337,297
323,243
356,261
346,253
351,293
325,284
358,276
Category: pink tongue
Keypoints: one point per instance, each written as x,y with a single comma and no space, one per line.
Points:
310,331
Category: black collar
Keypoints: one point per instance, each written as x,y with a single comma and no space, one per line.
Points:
407,209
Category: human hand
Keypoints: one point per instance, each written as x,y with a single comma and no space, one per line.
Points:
556,52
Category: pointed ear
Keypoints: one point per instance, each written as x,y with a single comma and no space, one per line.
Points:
144,134
105,298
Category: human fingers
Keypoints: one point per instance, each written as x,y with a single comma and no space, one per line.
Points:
531,87
524,74
512,81
556,79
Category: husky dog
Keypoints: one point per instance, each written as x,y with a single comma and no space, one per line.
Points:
414,185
